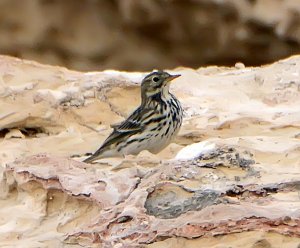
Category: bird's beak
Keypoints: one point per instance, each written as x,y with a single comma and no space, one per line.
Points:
172,77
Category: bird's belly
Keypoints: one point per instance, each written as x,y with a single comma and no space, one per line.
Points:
153,141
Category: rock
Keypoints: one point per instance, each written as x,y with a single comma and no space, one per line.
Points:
231,178
14,133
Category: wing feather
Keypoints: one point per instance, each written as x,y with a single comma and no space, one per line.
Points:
122,131
134,122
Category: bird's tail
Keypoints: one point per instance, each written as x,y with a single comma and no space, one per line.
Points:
105,151
97,155
90,159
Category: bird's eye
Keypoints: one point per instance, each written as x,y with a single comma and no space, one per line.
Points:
155,79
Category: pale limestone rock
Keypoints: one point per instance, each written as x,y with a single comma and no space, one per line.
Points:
195,150
14,133
235,184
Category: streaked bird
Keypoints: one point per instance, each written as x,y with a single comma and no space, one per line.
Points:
152,126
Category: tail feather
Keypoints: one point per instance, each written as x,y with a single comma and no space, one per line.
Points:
97,155
90,159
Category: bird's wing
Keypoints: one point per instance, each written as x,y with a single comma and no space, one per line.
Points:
132,125
134,122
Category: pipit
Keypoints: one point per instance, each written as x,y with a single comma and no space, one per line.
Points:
152,126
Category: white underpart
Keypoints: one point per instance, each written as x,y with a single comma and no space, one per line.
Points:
195,150
152,143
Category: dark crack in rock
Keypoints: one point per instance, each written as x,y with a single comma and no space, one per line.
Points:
170,201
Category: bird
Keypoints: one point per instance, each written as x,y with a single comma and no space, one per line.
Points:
152,126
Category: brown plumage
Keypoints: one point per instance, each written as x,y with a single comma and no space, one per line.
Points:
152,126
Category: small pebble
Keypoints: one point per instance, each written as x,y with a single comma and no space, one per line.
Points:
239,65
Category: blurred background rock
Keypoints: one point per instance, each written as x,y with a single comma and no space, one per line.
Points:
147,34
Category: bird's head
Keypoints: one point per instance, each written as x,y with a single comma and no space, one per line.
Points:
157,82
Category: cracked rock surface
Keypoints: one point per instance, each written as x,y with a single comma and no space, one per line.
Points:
230,179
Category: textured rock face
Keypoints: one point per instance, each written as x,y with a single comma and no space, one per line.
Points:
141,35
230,179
